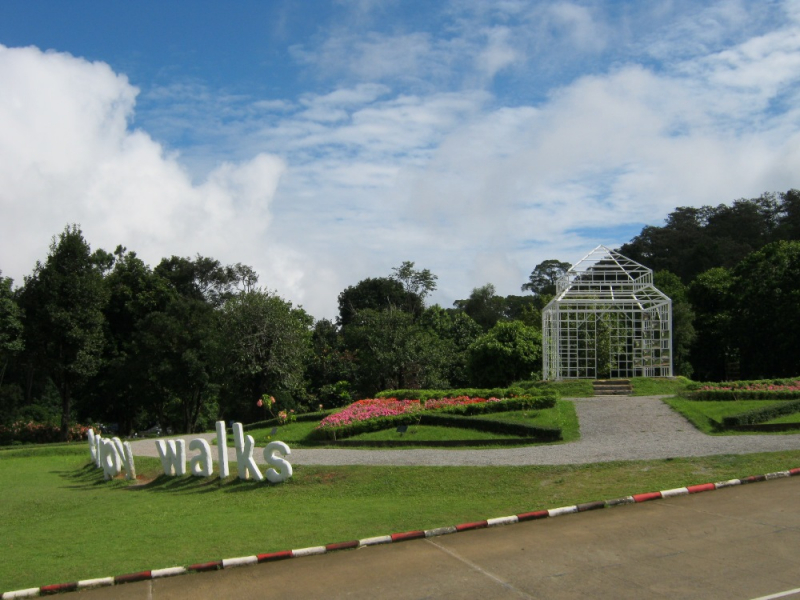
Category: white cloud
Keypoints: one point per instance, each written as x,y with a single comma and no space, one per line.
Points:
406,153
67,155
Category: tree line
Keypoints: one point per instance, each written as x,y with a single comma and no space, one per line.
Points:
95,336
98,336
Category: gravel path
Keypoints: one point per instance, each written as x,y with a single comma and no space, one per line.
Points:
615,428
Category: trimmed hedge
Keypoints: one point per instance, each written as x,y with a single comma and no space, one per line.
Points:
761,415
437,394
728,395
539,432
741,385
508,404
275,421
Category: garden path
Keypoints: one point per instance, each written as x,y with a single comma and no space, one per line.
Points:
615,428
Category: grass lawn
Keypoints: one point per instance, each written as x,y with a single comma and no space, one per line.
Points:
569,388
705,415
62,522
296,434
793,418
658,386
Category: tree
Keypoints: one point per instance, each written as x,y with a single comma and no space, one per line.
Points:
330,364
379,293
683,332
418,283
713,351
11,339
483,305
205,278
178,347
543,278
121,390
508,352
457,331
766,314
392,351
267,343
63,302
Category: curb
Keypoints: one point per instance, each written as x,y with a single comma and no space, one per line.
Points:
386,539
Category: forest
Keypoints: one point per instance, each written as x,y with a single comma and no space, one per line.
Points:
92,336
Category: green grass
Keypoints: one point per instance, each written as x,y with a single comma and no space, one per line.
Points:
296,434
793,418
570,388
707,415
658,386
419,434
62,522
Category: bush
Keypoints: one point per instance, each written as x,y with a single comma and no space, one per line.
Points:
31,432
742,394
435,394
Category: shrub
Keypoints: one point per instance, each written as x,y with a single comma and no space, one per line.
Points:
31,432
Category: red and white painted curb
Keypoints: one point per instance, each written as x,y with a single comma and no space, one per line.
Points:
386,539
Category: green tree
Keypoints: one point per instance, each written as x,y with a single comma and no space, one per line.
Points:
63,302
267,343
415,282
713,351
392,351
121,390
483,305
508,352
456,331
11,329
683,332
766,317
330,363
378,293
543,278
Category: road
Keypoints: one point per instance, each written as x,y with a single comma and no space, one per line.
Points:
733,543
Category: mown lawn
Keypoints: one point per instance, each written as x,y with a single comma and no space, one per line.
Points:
61,522
706,415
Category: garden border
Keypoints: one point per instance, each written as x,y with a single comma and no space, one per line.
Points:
227,563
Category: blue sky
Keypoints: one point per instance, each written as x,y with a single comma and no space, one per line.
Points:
325,142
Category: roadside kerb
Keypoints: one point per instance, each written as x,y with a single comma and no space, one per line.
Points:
387,539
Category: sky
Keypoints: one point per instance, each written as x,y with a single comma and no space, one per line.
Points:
324,142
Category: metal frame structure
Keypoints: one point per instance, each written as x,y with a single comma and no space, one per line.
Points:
607,320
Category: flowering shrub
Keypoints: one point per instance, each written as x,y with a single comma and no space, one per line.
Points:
31,432
286,417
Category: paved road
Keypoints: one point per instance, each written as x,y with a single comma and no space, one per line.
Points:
733,543
618,428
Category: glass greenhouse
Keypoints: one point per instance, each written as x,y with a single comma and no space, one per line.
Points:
607,320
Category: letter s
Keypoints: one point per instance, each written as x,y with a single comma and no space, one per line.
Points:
275,475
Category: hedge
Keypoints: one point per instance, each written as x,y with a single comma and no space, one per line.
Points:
729,395
753,417
539,432
741,385
436,394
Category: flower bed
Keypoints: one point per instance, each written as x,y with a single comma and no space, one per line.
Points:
375,414
769,389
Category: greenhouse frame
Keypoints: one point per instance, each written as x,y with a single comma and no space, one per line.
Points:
607,321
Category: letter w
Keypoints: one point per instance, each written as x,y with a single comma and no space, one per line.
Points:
173,456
